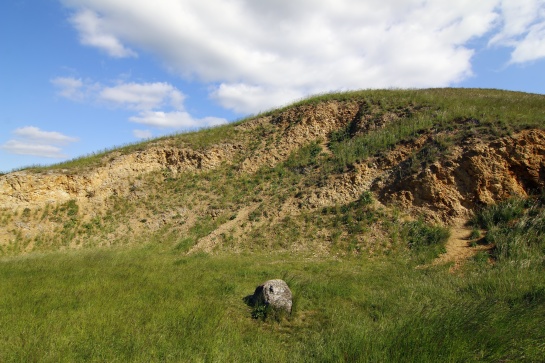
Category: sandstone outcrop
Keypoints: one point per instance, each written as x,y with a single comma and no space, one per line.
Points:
473,174
26,189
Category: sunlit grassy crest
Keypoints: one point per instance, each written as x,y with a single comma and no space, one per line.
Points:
498,111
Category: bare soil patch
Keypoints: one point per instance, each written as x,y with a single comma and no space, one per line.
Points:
460,247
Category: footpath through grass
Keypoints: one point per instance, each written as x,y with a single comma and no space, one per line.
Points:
152,304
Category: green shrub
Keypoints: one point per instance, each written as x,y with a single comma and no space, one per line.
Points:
500,213
366,198
481,257
26,213
304,158
475,233
418,234
516,228
425,241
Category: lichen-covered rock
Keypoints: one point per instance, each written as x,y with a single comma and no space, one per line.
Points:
274,293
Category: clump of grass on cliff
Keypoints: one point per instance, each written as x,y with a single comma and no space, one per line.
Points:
516,230
427,241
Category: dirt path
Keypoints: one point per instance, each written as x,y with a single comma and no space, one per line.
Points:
459,247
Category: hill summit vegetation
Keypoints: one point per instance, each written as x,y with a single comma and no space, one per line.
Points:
144,253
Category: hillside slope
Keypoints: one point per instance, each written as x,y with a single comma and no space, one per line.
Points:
335,173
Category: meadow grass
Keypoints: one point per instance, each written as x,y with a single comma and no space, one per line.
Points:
153,304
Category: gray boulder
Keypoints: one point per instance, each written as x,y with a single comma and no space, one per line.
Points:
273,293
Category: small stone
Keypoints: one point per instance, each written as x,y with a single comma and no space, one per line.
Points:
274,293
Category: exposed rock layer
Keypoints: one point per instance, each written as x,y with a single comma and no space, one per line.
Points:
472,173
28,189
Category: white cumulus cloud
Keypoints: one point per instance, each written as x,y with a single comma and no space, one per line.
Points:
75,89
142,134
245,99
261,54
523,29
69,87
33,133
97,33
30,140
143,96
176,120
25,148
156,104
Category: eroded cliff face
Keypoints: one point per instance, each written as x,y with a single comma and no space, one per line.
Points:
26,189
284,133
469,174
473,174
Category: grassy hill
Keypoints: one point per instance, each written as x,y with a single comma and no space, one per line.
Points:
144,253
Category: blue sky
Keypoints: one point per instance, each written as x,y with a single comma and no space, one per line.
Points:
79,76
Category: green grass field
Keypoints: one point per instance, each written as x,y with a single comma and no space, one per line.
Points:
152,304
